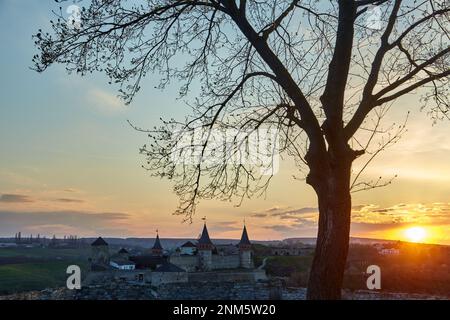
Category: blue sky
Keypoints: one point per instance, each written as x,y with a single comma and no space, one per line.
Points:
66,137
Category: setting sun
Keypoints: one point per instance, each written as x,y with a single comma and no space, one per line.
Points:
415,234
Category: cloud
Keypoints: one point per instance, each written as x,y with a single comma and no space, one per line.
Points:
358,207
432,213
279,228
367,219
293,228
53,222
369,213
69,200
224,226
105,101
285,212
370,227
259,215
15,198
276,208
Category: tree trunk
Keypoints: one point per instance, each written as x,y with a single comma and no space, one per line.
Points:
327,271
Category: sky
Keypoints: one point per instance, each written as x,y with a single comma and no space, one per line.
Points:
70,163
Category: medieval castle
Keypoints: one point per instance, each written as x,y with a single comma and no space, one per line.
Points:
206,257
189,262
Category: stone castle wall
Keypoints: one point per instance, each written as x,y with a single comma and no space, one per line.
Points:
188,263
225,262
192,263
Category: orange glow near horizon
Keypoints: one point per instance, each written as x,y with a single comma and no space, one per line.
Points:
415,234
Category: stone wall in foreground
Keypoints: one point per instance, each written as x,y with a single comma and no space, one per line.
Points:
221,291
199,291
228,276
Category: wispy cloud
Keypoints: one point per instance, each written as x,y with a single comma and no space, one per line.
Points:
286,212
259,215
69,200
279,228
16,198
52,222
225,226
105,101
367,219
404,213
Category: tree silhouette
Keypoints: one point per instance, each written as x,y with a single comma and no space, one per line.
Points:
321,75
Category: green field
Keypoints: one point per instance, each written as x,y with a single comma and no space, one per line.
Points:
45,268
44,252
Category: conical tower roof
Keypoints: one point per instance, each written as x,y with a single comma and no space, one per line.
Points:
204,238
244,238
157,244
99,242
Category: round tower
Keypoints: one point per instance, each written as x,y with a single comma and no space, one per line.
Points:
205,247
245,251
99,254
123,253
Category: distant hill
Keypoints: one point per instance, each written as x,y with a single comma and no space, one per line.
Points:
353,240
171,243
167,243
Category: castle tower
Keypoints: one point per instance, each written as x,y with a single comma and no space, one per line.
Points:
123,253
157,249
99,254
205,247
245,250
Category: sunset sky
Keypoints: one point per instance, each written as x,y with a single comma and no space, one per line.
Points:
69,161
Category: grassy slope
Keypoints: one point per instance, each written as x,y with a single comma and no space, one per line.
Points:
38,275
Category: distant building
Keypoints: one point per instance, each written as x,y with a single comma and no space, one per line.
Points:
292,250
153,260
121,261
205,248
124,253
188,248
157,249
206,256
99,255
286,251
122,264
184,265
245,250
168,273
389,251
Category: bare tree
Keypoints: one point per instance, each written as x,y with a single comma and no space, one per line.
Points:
321,74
